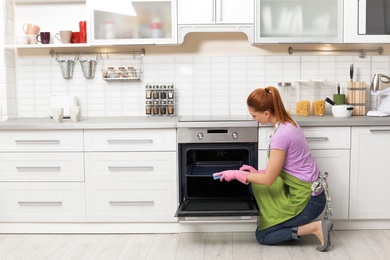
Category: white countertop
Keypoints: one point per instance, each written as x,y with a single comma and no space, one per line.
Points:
140,122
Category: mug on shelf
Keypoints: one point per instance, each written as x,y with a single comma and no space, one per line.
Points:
64,36
43,37
30,28
75,38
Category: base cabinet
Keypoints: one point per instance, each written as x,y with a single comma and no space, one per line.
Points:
370,176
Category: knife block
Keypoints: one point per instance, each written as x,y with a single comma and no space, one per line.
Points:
356,97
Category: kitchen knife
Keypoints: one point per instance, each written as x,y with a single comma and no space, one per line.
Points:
351,72
338,88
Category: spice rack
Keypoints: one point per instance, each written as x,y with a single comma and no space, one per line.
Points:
117,68
160,99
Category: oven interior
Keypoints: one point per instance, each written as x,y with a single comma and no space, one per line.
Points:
200,194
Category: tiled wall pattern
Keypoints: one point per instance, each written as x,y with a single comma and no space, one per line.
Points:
204,85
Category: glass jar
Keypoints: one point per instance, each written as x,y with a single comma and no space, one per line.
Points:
111,73
131,73
171,92
156,108
148,107
302,105
318,105
163,92
148,91
156,92
163,108
285,94
171,108
122,72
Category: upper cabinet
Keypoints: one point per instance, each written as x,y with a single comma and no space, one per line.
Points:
215,16
132,22
304,21
366,21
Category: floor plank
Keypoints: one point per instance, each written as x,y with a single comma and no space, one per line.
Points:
164,247
110,247
137,247
245,246
29,247
378,241
9,242
354,245
55,248
192,246
219,246
83,247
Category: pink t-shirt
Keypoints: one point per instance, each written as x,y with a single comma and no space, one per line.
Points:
299,161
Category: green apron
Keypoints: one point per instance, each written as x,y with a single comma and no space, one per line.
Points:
283,200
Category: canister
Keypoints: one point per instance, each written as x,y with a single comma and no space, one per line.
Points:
285,93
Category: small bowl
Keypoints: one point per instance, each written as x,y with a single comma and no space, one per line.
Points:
342,110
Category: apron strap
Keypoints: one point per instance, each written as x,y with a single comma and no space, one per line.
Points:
321,183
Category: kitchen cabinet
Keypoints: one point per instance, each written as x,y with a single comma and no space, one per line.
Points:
131,175
330,147
370,173
304,21
138,22
42,176
215,16
366,21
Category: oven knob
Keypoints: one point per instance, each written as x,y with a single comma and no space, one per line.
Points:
200,136
234,135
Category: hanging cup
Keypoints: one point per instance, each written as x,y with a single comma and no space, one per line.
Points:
88,67
67,67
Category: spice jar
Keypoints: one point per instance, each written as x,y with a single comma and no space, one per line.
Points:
171,108
163,92
163,107
131,73
148,107
122,72
170,92
148,91
156,108
111,73
156,92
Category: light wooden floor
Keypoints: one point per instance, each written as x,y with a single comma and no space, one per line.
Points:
362,244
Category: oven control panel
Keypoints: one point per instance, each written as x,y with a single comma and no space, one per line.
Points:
217,135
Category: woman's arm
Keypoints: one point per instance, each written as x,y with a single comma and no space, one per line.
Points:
274,166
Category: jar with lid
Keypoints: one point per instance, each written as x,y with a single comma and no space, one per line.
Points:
163,92
302,105
318,105
171,108
156,92
148,91
131,73
148,107
122,72
156,108
111,73
285,93
163,107
170,92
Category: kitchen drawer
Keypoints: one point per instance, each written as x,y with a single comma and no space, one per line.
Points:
42,202
131,202
130,140
317,137
41,140
130,166
42,166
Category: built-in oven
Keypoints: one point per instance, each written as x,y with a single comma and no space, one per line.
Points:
207,147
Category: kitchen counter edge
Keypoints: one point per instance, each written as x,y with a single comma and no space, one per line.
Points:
139,122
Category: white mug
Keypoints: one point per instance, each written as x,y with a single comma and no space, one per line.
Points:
57,114
75,113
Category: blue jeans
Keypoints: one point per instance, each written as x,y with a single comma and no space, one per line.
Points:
284,231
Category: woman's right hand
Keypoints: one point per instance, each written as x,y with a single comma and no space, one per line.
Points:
248,168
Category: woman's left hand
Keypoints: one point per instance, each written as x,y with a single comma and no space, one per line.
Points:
231,175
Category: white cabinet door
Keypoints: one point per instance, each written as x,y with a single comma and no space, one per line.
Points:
137,22
355,22
305,21
370,176
215,11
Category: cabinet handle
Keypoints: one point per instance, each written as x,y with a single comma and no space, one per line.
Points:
380,130
37,141
135,202
126,168
40,203
220,11
317,139
127,141
38,168
213,10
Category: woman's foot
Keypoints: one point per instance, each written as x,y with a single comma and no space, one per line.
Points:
326,227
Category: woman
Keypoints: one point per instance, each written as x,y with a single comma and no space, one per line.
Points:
283,190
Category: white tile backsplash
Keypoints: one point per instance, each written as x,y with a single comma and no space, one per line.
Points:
204,85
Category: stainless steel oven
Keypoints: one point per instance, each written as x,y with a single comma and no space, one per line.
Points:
206,146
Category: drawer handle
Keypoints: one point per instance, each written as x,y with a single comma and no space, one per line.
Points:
134,202
40,203
37,141
39,168
380,130
317,139
129,141
131,168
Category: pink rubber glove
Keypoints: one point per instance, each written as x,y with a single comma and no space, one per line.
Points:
251,169
230,175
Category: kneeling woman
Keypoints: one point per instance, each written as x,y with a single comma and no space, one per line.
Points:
287,202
